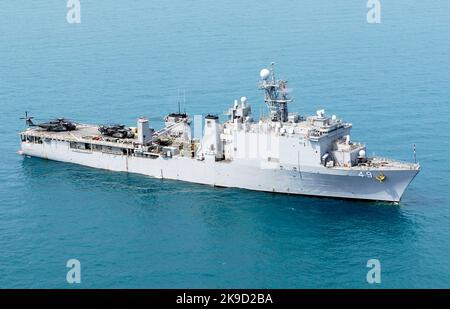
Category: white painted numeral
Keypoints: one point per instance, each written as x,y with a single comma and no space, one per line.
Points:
367,174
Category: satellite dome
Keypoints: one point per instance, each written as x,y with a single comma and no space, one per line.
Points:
264,74
243,100
362,153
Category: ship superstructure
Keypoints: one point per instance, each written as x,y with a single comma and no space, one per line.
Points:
282,152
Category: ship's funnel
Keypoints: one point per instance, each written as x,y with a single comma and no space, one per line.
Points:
211,143
144,134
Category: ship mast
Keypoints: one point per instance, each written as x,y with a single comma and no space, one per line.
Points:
275,94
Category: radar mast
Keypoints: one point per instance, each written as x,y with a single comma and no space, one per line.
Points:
275,94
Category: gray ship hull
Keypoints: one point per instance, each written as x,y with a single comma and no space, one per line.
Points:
315,181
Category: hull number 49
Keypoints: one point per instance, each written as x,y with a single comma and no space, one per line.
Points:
366,174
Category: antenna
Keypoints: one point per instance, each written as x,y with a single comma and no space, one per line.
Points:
414,149
272,70
184,100
178,100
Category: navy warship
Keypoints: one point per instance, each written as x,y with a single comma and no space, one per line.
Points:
280,152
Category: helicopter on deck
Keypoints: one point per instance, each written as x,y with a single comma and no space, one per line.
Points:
55,125
116,130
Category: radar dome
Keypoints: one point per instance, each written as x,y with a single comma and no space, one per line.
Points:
243,100
362,153
265,73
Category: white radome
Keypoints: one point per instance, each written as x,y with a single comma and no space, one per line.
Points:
265,73
362,153
243,100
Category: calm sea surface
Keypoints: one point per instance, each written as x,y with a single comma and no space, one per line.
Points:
130,58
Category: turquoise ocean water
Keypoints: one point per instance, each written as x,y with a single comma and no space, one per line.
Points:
130,58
